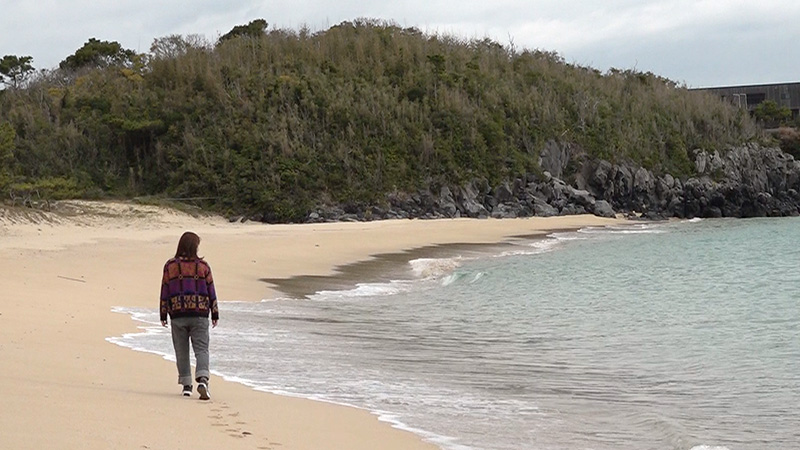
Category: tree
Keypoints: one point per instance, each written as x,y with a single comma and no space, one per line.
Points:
7,136
16,69
95,53
253,29
770,113
175,45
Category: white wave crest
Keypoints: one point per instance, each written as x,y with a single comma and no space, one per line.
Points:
153,327
457,276
641,228
362,290
568,236
140,315
533,248
548,245
450,279
434,267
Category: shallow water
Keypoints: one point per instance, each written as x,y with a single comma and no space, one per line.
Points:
661,336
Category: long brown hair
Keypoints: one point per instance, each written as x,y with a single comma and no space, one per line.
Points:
187,246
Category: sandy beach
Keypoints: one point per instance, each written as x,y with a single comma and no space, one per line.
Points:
63,385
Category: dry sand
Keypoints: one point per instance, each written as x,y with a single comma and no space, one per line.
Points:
62,385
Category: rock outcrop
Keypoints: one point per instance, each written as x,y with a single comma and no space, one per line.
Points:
749,181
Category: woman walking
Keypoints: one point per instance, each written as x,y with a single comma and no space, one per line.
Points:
188,297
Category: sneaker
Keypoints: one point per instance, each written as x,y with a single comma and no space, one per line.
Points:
202,388
187,390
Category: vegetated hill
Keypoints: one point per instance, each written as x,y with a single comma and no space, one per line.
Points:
275,122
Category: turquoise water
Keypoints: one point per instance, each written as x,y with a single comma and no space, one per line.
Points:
660,336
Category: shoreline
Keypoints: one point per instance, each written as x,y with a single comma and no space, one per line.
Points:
64,386
378,269
386,267
427,437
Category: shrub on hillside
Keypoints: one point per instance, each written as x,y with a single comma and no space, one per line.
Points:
789,139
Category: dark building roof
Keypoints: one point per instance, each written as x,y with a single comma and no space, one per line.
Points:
749,96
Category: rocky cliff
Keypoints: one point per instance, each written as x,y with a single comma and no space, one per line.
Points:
750,181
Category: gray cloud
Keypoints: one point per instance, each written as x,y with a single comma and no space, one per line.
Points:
700,42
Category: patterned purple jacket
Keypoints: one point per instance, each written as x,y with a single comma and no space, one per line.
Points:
187,289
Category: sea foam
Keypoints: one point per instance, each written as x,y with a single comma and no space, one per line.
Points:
434,267
362,290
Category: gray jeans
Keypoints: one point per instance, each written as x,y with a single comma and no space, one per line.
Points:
194,329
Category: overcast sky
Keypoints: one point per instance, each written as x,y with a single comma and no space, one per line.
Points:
697,42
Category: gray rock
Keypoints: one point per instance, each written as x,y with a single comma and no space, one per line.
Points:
555,157
469,201
623,181
712,212
571,209
643,181
600,180
542,209
475,210
503,193
504,211
580,197
603,209
518,188
447,203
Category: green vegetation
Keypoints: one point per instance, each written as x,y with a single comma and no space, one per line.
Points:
789,140
98,54
254,29
14,70
769,113
276,121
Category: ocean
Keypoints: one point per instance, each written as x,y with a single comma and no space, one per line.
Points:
671,335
